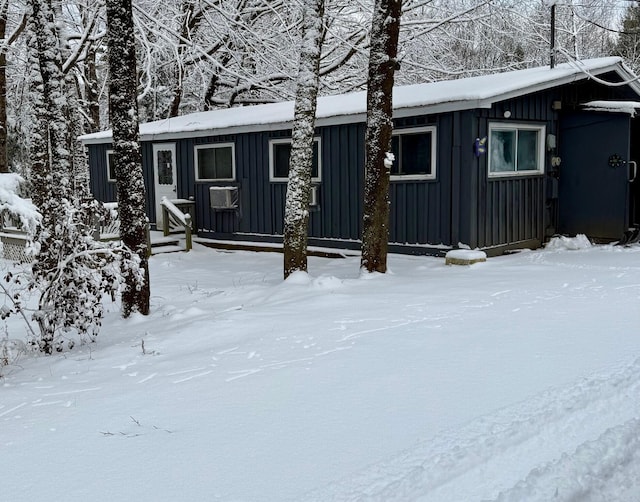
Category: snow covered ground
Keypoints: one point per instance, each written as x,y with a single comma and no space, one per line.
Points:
517,379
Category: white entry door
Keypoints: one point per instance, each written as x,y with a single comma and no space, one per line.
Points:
164,173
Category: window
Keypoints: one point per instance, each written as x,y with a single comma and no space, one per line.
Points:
111,166
215,162
515,149
164,163
279,154
415,154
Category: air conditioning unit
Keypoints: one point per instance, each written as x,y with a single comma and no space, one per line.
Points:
223,197
313,199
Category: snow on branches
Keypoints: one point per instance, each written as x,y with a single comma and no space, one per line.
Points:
72,273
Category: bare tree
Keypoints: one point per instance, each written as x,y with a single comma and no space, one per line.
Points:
628,44
382,65
296,218
126,147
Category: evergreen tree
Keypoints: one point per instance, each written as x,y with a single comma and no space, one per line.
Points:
296,219
382,64
123,108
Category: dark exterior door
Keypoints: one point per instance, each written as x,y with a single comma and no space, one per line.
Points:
593,194
634,174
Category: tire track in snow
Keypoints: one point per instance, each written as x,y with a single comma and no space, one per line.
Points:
607,469
494,454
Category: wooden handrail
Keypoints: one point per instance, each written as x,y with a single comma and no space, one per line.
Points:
170,210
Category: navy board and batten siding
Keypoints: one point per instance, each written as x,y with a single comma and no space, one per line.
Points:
459,205
415,205
512,210
101,188
262,201
420,209
104,189
442,211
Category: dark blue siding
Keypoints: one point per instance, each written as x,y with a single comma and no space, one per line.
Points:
147,173
101,188
509,210
460,205
340,194
207,221
104,190
420,209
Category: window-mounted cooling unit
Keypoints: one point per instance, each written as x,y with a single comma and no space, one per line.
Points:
223,197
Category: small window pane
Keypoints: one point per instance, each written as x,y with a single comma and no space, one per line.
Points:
215,163
206,163
503,151
111,166
527,150
416,153
165,169
282,155
224,162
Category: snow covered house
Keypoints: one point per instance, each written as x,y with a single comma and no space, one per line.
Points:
496,162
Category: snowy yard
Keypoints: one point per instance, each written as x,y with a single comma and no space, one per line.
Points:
517,379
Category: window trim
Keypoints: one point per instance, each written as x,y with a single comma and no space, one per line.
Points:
541,129
110,151
207,146
434,155
280,141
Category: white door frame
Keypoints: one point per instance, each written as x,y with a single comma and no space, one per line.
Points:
168,187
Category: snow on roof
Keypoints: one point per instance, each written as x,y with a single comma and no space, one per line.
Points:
433,97
628,107
11,202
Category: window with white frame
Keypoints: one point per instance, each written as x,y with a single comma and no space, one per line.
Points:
111,166
215,162
279,155
415,154
516,149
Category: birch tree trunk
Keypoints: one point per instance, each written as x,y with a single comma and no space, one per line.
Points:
296,218
123,109
382,64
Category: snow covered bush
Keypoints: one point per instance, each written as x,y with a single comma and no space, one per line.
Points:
72,273
69,275
10,351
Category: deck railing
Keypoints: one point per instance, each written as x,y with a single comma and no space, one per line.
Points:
172,216
107,228
13,239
